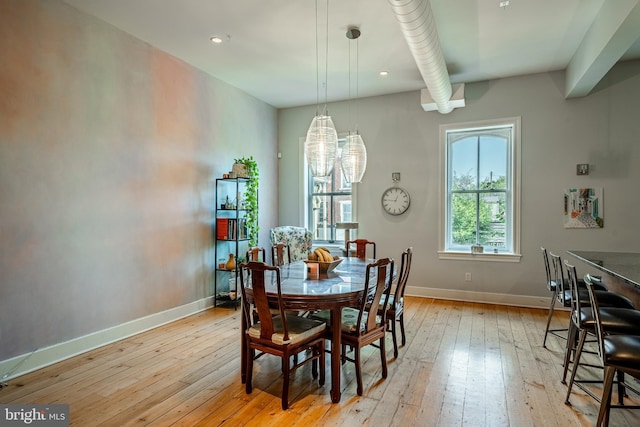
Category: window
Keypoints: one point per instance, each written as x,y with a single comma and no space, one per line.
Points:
481,189
330,202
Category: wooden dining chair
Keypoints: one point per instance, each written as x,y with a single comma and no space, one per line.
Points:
280,254
362,325
283,335
361,247
256,254
395,305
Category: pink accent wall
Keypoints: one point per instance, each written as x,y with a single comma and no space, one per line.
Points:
108,150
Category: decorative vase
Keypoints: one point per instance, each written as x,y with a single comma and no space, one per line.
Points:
240,169
231,262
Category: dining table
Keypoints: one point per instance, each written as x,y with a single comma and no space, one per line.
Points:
306,291
622,270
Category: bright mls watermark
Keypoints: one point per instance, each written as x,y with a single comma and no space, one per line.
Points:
34,415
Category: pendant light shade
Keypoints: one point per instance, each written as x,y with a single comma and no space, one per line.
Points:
354,158
321,146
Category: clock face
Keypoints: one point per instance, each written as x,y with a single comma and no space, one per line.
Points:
396,200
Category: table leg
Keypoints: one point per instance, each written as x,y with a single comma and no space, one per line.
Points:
243,348
336,347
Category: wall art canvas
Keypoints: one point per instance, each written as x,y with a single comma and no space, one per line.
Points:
583,208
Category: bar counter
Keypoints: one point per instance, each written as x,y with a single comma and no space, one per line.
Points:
622,270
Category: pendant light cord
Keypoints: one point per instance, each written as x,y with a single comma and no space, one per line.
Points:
326,62
317,65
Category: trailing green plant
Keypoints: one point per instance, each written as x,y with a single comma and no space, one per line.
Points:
251,198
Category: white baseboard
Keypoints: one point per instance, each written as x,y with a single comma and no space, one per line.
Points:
481,297
40,358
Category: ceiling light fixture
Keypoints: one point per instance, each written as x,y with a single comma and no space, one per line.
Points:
353,159
384,73
216,40
321,145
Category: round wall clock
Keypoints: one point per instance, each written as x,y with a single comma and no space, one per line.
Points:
396,200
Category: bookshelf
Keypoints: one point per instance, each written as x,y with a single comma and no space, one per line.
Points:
230,238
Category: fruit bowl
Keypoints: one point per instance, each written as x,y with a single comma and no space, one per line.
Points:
324,266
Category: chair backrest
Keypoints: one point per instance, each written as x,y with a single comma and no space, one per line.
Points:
255,272
596,316
361,247
557,276
253,254
299,240
376,295
403,276
280,254
576,304
547,269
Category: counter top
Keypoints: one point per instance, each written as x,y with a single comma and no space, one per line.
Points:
623,265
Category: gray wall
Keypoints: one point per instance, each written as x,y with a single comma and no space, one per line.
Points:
108,153
602,129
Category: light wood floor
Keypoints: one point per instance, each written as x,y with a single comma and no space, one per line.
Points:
464,364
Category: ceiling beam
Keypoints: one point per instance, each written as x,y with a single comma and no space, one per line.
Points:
612,33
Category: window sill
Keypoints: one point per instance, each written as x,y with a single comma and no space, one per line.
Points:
468,256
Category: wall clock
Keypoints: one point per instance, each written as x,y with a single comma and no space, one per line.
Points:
396,200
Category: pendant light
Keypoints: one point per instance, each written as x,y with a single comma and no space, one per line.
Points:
353,159
321,145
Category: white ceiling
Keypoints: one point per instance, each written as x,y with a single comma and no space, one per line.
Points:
270,45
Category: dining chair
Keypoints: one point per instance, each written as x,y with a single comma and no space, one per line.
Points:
617,353
361,247
256,254
395,305
362,325
283,335
280,254
621,318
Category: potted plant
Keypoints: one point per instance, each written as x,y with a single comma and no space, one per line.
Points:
250,198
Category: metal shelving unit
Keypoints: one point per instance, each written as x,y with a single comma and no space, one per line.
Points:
230,237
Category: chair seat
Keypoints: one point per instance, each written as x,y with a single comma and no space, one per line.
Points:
614,320
605,299
300,329
395,306
349,319
623,351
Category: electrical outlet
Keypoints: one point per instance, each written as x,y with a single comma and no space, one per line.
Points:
467,277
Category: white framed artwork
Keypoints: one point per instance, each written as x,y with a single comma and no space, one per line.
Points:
583,208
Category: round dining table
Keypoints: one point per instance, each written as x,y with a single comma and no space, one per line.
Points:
305,291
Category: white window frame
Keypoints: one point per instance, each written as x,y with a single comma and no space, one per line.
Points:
515,202
304,175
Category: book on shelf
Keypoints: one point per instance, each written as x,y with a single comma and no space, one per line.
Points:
231,228
222,228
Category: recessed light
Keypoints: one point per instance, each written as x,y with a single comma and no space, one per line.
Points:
384,73
504,4
216,40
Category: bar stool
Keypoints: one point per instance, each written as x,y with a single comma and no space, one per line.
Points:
618,353
562,293
614,320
